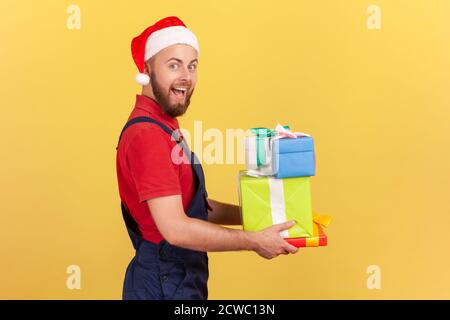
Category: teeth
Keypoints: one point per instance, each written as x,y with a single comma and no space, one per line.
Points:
181,89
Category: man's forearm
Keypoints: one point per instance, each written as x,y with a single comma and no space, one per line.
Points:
224,213
196,234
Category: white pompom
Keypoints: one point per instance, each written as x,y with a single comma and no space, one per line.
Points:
142,79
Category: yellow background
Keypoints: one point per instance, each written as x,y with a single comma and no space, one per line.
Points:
376,102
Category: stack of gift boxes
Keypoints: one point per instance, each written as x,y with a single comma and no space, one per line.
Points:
276,186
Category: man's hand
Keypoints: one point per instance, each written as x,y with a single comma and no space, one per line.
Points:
268,243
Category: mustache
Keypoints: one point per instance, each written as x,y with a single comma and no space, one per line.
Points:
182,84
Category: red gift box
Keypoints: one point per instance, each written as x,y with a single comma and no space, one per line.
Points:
319,238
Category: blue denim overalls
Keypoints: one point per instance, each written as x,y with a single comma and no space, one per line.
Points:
164,271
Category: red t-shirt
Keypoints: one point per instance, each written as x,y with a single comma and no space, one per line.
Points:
145,169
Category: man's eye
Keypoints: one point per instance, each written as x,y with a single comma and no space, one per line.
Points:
193,66
173,66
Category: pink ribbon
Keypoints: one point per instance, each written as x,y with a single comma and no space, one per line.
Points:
282,132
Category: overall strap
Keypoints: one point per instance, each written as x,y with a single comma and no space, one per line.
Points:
172,133
132,227
150,120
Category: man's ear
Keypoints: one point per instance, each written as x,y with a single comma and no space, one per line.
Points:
148,68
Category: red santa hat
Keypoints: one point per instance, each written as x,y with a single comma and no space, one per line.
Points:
162,34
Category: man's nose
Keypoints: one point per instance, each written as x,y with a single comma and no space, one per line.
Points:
186,74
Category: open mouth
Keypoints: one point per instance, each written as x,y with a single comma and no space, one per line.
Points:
179,92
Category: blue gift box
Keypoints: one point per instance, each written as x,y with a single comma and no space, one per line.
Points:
294,157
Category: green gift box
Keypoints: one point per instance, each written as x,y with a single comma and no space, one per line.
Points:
266,201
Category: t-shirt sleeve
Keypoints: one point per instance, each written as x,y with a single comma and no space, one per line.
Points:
150,164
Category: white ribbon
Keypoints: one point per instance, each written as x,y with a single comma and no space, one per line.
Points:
277,203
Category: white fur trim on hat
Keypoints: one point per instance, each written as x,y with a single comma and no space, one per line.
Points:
166,37
142,79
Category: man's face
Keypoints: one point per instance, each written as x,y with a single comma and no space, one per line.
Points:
173,75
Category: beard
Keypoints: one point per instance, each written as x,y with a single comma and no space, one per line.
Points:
171,109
